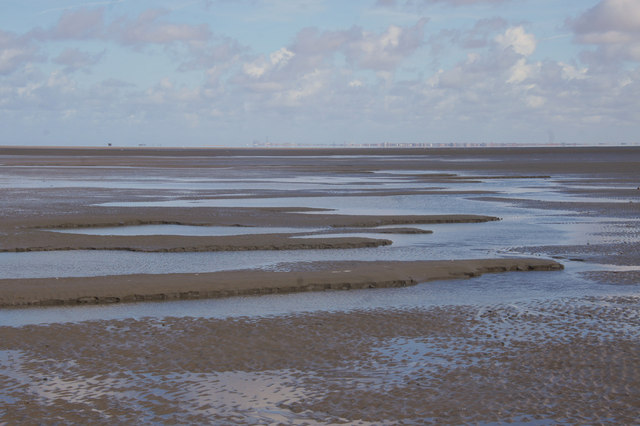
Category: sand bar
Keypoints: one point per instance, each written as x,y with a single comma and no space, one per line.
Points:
30,234
320,276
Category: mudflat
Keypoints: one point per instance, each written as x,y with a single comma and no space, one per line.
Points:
573,361
548,359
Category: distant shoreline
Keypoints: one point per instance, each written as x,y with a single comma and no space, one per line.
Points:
118,151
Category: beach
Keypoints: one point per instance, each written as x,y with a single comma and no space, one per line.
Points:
483,285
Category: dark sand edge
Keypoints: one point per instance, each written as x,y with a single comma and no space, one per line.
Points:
184,244
323,276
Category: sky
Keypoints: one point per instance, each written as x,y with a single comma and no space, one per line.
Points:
318,72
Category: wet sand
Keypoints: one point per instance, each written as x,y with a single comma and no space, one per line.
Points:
554,360
315,277
572,361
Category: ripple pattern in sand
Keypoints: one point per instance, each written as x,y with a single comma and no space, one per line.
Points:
562,361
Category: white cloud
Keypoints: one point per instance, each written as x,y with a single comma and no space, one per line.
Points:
520,71
74,59
80,24
517,39
15,52
307,86
281,57
419,4
259,67
148,28
363,49
613,26
570,72
311,68
11,58
384,52
282,10
254,69
610,16
535,101
192,45
219,54
478,36
166,84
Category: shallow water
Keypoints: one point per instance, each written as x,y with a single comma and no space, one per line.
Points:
519,227
448,241
487,290
406,204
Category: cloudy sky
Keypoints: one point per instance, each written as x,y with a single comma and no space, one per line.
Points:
231,72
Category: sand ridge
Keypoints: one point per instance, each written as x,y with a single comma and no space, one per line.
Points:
30,234
315,277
